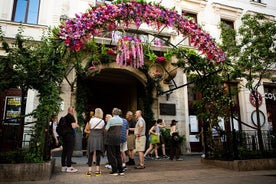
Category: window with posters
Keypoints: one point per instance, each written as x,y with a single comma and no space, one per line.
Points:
12,110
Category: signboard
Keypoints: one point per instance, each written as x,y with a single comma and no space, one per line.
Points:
167,109
193,124
253,101
254,118
12,110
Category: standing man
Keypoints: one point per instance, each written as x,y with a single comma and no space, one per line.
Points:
130,138
68,141
123,146
113,140
140,141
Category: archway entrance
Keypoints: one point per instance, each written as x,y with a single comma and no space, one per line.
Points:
114,88
135,30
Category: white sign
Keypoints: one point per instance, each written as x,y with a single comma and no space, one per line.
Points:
193,123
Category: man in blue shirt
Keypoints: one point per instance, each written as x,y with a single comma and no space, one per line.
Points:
123,146
113,141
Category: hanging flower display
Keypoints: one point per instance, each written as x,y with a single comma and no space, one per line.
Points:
130,52
156,72
111,16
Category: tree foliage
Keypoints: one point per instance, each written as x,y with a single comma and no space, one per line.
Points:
38,65
253,55
207,79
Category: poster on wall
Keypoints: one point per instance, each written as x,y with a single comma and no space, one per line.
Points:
12,110
193,124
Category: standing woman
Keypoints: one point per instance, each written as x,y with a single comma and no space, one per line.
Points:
153,130
95,142
175,142
55,144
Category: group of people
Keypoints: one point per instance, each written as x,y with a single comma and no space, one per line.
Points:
116,136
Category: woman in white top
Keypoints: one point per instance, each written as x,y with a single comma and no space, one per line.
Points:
95,142
55,143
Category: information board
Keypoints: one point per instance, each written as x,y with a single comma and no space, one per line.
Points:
12,110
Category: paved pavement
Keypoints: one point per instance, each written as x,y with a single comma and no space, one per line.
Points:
188,171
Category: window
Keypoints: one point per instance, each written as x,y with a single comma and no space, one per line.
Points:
104,1
226,24
229,23
26,11
257,1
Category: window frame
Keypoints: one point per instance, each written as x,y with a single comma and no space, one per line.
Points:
26,12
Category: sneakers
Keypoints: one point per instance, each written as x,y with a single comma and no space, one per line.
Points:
140,167
121,173
117,174
165,157
108,166
71,170
114,173
179,159
63,169
157,158
130,162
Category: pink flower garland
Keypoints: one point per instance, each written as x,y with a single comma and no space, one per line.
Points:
130,51
77,31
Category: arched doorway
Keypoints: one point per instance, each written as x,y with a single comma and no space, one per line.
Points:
114,88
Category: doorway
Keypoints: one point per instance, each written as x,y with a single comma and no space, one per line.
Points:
114,88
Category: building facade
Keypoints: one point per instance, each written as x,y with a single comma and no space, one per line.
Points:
36,16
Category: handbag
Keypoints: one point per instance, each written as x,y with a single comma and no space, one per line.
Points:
175,137
155,139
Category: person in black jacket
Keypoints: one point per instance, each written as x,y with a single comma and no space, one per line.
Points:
68,141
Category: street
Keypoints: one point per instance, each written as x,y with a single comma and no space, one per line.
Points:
188,171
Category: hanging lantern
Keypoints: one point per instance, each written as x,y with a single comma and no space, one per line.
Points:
130,52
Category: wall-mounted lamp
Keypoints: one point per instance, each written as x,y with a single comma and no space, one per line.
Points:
63,18
171,86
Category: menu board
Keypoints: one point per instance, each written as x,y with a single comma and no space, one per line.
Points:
12,110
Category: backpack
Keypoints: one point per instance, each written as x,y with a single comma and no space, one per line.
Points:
61,127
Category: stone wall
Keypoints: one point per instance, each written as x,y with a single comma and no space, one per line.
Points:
27,171
243,165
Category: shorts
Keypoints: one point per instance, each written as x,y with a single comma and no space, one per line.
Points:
123,147
162,141
131,142
53,143
140,143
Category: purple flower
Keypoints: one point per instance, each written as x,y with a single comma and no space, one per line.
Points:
74,32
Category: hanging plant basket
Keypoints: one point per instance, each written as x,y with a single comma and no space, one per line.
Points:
156,72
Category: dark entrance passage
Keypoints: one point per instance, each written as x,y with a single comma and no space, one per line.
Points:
114,88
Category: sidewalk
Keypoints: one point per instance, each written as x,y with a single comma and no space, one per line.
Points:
190,171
